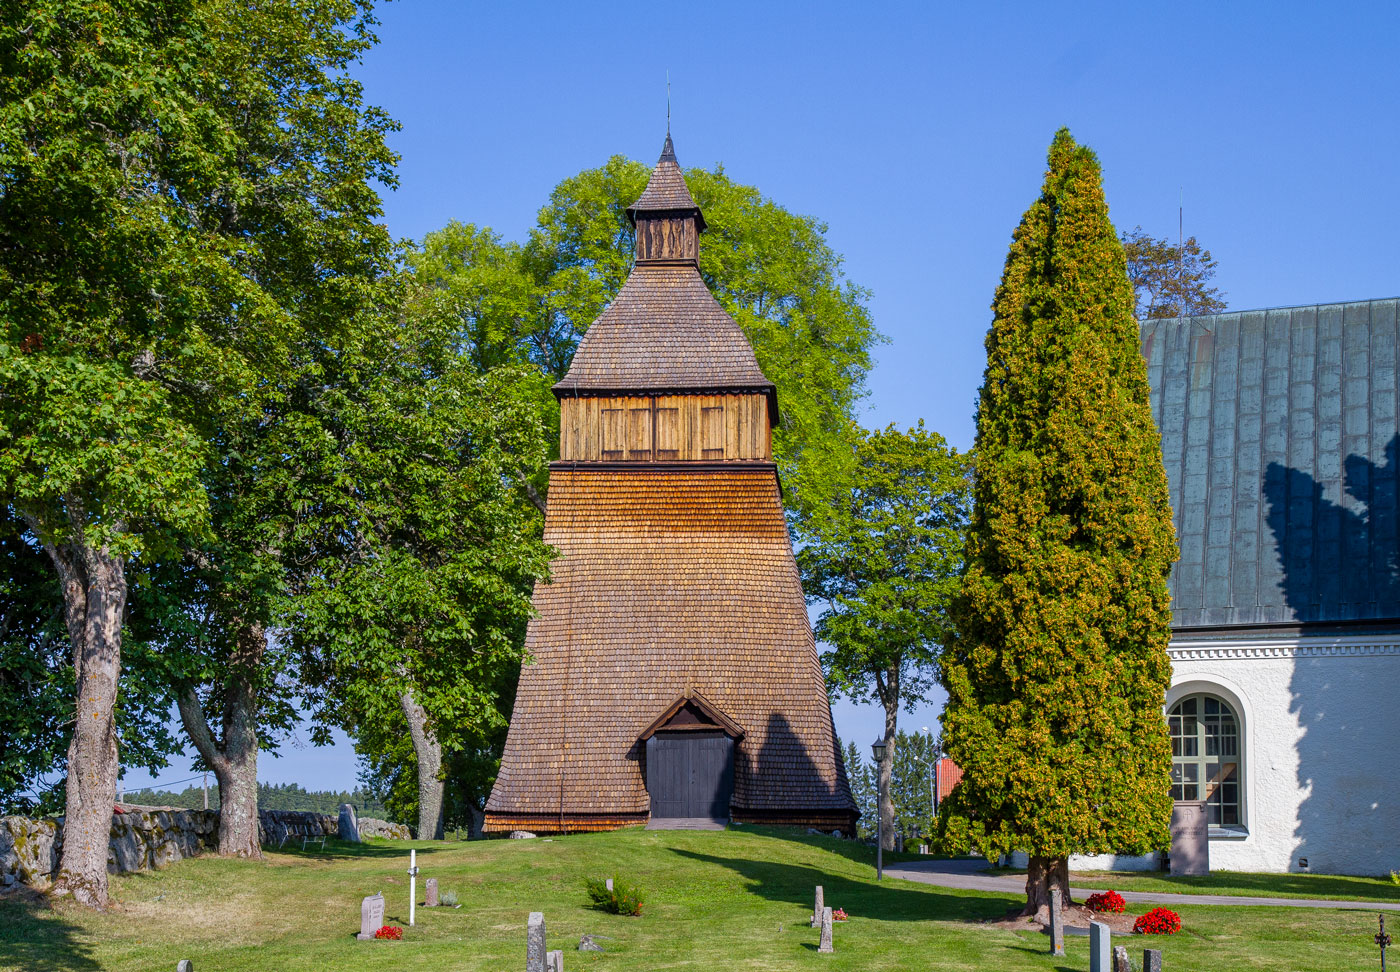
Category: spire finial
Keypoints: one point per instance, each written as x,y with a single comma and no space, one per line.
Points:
668,102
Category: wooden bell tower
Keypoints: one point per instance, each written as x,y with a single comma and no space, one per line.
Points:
673,667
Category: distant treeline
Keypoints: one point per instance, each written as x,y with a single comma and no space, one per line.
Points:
271,796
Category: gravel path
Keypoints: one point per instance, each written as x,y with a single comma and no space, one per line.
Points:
973,876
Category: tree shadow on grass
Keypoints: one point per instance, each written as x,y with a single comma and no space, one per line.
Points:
852,850
886,901
339,850
36,938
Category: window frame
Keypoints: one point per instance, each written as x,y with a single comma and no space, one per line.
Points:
1230,793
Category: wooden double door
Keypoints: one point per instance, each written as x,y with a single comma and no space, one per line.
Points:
690,774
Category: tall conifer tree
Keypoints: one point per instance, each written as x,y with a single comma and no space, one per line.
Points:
1057,676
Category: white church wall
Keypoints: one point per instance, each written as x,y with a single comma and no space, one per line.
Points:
1319,719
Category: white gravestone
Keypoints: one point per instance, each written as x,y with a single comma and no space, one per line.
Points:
825,945
371,916
554,961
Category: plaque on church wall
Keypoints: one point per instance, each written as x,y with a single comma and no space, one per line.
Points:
1190,853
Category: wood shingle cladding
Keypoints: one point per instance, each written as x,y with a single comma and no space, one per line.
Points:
668,582
664,331
675,604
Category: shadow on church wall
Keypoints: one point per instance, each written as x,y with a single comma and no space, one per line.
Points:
1337,546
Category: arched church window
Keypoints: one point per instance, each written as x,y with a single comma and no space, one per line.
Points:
1206,756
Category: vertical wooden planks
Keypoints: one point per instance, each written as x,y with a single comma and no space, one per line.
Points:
664,428
639,429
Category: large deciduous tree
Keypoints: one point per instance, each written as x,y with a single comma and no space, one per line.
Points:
772,269
425,553
883,552
1057,674
298,186
1170,279
182,182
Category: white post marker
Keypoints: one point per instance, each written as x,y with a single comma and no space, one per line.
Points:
412,884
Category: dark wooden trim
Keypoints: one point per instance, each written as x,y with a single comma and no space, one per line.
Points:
668,465
562,390
722,721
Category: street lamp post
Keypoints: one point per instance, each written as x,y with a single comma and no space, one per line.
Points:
932,776
878,749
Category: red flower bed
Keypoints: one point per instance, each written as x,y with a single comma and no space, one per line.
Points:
1158,921
1106,901
392,933
837,914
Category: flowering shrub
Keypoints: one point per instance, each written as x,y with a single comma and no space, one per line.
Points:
1158,921
1106,901
392,933
838,914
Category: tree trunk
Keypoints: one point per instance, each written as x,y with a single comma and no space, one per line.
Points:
94,600
1042,875
429,752
234,760
884,771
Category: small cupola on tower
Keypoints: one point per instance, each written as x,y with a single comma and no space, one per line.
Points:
667,220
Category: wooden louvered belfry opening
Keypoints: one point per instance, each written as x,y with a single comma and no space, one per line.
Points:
672,663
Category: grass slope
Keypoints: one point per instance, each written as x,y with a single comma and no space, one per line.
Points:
736,900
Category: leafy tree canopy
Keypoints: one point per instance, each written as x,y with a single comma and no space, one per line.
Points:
1170,280
771,269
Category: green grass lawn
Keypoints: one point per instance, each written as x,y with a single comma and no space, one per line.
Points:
714,901
1236,884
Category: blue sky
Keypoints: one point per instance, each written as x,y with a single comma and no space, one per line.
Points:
918,132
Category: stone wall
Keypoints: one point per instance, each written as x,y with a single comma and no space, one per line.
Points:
145,838
141,839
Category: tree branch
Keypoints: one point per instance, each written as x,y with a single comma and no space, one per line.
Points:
192,716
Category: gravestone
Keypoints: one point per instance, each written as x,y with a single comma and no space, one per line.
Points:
587,944
1100,948
371,916
535,951
184,965
430,895
554,961
1057,923
608,884
347,827
825,945
817,908
1151,960
923,848
1120,959
1190,853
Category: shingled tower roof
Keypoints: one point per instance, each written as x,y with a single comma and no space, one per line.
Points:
673,672
666,190
664,330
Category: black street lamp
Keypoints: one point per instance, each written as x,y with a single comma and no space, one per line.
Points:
878,748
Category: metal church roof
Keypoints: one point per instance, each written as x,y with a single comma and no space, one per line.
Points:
1281,439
